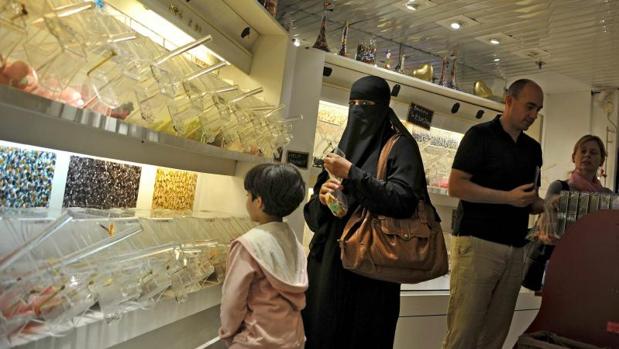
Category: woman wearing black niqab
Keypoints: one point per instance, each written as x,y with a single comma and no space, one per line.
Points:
346,310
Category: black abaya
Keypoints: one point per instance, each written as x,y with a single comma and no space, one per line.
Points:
345,310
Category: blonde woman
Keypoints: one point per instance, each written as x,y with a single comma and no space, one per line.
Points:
588,156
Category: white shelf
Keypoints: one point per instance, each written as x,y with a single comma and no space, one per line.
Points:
94,332
257,17
438,98
33,120
197,18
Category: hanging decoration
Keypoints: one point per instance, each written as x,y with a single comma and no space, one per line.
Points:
481,89
321,40
343,46
270,6
387,63
288,22
366,52
441,80
401,57
424,72
452,78
447,61
328,5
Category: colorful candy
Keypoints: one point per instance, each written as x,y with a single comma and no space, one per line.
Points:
25,177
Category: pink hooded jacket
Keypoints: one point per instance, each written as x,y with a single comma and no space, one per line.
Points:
264,290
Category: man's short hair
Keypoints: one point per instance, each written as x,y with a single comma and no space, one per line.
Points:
279,185
516,87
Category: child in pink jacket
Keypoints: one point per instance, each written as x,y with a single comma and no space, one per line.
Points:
266,278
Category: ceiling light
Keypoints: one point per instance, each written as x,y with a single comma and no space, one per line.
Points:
458,22
497,59
296,42
498,39
410,4
533,53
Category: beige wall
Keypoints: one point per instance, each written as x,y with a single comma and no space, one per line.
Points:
604,120
567,118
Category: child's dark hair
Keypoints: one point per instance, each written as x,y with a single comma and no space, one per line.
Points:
279,185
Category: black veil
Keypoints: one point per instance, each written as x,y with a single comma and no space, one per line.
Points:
369,126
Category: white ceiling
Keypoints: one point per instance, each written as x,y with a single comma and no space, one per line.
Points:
552,82
578,39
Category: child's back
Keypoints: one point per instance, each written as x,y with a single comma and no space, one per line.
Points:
269,263
266,279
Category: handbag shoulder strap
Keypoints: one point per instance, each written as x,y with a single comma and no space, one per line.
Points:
381,166
381,169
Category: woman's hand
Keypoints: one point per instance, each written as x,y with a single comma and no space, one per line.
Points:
327,188
547,239
337,166
552,203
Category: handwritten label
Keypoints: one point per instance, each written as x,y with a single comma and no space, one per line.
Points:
297,158
420,116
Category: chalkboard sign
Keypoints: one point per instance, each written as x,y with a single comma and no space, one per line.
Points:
420,116
297,158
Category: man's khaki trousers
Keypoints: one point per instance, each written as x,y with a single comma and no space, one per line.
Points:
484,284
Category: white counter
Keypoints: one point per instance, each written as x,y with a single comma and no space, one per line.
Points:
423,315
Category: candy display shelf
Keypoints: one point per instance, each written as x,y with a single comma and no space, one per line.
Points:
346,70
93,331
33,120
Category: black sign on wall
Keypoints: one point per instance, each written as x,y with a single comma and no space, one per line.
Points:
297,158
420,116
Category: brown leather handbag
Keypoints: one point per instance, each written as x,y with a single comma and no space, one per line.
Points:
408,250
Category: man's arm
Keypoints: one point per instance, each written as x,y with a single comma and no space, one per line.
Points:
461,186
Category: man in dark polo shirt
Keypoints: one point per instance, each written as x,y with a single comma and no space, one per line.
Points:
495,174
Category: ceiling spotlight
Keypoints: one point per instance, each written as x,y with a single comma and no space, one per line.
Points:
296,42
494,41
497,59
410,4
455,25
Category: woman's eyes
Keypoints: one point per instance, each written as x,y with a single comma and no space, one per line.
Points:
362,103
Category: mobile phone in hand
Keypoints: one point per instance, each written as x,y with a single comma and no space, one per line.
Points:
536,179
